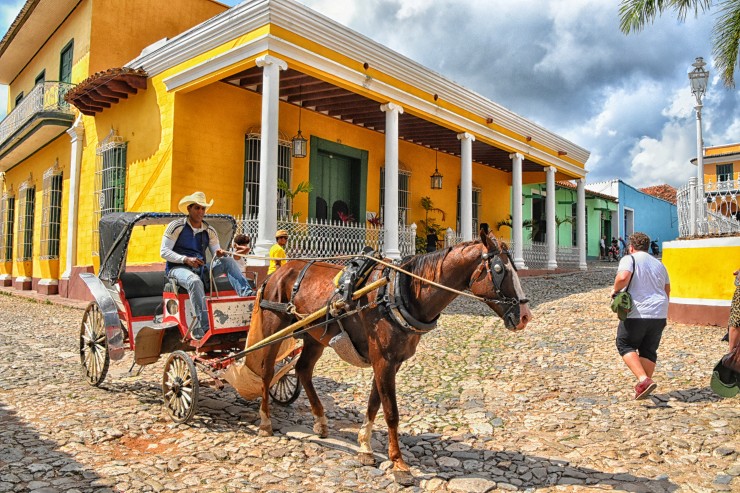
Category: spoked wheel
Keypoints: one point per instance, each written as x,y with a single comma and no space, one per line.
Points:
94,345
288,388
180,387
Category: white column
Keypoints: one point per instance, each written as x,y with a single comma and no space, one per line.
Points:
76,134
552,263
267,215
466,185
517,233
581,222
390,226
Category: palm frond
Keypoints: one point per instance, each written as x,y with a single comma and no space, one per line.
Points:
726,39
634,15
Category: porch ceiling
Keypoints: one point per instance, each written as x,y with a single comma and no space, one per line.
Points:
323,97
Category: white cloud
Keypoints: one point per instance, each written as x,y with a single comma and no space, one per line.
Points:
667,158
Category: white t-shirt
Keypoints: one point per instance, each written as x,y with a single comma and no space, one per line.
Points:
648,285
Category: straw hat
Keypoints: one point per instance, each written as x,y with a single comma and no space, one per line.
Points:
280,233
196,198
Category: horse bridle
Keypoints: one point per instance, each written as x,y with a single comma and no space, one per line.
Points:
496,271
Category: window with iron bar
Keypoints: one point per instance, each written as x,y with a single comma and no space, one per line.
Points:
26,208
51,214
7,217
110,181
252,146
476,210
404,195
724,172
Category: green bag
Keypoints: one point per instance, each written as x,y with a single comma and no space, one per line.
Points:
622,305
622,302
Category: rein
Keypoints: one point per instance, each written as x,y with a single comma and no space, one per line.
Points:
485,264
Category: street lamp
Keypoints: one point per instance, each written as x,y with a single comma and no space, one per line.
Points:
698,78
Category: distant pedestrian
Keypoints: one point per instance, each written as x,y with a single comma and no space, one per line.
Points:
638,337
622,246
277,251
602,248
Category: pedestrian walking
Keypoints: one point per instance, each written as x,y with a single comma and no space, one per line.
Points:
602,248
622,247
638,337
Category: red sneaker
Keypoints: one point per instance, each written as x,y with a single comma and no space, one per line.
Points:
644,388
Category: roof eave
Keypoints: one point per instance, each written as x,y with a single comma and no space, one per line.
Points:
311,25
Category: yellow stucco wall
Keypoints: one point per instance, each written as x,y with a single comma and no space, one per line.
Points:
77,28
702,269
34,167
121,29
211,123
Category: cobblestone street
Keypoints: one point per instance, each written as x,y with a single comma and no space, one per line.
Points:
546,409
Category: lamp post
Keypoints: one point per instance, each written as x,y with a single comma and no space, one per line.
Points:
698,78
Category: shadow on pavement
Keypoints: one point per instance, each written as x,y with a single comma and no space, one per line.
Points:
30,462
510,467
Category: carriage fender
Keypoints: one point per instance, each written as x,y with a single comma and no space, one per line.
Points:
109,309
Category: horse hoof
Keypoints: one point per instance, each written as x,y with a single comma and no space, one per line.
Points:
404,478
321,430
265,432
366,459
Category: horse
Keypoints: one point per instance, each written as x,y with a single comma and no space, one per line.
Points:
483,267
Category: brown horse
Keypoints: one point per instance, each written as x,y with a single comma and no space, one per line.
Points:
483,267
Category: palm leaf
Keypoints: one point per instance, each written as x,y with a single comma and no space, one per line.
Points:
726,38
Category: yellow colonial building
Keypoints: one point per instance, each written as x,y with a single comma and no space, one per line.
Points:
114,110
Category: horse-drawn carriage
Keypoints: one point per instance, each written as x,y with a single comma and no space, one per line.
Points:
147,313
372,317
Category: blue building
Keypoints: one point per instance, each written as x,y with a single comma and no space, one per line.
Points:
637,211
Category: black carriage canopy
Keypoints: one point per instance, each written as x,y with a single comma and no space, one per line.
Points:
116,228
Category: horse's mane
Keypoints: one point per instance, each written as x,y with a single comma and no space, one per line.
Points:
428,265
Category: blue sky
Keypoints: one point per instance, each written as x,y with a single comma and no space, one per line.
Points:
563,64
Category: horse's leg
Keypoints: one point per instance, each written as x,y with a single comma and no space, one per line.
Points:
365,435
311,353
268,371
385,380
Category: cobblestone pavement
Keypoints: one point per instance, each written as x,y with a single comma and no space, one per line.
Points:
546,409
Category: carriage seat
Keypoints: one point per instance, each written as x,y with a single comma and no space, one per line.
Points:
143,291
222,284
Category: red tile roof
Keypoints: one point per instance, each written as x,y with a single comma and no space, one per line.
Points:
665,192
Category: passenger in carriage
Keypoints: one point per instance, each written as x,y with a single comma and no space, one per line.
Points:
184,248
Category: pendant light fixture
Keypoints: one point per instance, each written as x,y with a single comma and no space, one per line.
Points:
436,177
298,144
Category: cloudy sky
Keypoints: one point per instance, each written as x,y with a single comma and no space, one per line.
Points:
563,64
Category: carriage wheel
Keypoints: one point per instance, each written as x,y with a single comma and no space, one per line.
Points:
94,345
180,387
288,388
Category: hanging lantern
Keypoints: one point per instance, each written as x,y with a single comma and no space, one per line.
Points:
436,177
298,143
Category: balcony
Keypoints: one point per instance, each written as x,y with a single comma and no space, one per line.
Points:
40,118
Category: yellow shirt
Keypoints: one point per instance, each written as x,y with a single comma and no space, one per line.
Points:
276,252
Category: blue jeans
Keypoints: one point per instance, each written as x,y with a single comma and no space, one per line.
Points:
192,282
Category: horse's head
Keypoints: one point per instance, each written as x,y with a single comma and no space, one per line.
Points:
496,281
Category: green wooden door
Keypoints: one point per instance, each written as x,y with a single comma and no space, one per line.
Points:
334,187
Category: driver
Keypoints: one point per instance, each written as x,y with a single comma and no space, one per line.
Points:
184,248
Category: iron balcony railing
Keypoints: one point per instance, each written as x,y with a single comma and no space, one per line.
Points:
712,211
322,238
44,97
